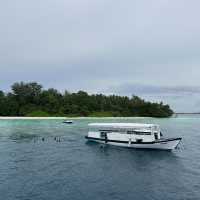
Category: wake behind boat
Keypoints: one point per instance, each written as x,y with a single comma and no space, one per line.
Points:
132,135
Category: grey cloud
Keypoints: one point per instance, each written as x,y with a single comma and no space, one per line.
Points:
150,89
94,45
180,98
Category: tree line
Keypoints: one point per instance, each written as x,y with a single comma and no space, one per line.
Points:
31,99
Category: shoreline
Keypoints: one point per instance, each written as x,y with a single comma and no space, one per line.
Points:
33,118
22,118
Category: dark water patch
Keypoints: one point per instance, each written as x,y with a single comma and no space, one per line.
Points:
18,136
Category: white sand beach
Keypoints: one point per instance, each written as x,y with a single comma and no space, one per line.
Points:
1,118
65,118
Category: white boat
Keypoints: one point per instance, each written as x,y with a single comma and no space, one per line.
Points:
68,122
132,135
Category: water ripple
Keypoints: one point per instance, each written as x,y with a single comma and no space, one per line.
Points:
46,159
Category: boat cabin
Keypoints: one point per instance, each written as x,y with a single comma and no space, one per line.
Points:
125,131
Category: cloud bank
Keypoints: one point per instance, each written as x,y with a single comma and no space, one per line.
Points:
150,47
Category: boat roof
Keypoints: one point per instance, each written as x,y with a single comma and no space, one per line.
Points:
122,125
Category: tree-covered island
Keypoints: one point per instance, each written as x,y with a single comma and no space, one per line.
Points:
30,99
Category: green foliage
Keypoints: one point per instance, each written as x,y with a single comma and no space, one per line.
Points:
30,99
38,113
27,92
101,114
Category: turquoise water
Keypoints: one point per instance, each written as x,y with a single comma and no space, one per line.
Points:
46,159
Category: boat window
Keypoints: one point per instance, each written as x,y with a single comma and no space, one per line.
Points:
106,131
126,132
141,133
103,134
138,133
156,136
130,132
114,130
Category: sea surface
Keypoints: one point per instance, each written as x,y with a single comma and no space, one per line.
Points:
49,160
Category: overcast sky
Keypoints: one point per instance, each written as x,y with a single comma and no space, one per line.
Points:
150,48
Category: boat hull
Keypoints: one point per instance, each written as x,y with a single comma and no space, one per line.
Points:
163,144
